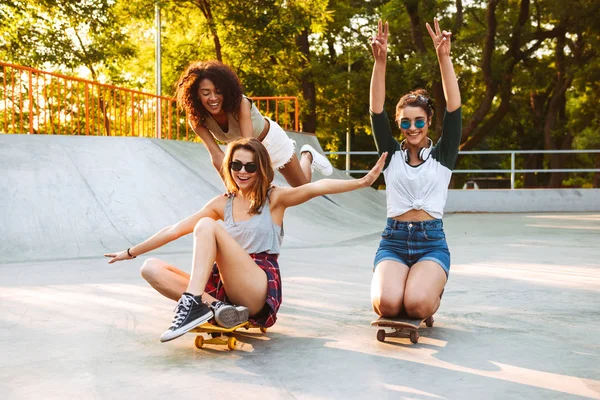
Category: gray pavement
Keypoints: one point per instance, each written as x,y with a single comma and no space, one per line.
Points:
520,317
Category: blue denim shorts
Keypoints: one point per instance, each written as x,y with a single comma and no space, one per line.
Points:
411,242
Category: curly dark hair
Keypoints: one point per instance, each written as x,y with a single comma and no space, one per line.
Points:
224,79
416,98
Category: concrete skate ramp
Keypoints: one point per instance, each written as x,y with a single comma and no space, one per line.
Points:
518,319
73,197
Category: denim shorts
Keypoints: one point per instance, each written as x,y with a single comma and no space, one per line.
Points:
411,242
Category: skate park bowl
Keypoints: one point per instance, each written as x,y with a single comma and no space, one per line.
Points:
520,315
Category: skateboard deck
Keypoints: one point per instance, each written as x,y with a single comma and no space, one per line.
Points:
400,326
219,335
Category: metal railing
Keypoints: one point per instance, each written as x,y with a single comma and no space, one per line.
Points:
512,170
271,107
39,102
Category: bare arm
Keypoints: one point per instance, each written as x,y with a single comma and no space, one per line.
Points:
289,197
441,41
208,140
213,209
379,49
246,128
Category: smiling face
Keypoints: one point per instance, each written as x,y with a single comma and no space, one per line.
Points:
242,178
413,117
210,97
253,186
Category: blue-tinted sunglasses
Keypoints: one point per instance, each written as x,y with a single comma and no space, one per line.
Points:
405,124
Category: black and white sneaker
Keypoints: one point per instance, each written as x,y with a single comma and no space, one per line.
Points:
189,313
228,315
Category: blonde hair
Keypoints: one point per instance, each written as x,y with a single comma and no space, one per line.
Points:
258,193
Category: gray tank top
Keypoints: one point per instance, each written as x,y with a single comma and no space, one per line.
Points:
258,234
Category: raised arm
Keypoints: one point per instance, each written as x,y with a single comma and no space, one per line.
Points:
379,49
289,197
441,42
380,124
172,232
208,140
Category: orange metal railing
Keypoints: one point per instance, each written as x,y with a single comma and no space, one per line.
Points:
271,107
39,102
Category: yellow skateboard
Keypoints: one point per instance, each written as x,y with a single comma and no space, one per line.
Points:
219,335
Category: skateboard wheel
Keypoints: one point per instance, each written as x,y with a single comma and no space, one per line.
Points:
429,322
414,336
263,329
381,335
199,341
231,343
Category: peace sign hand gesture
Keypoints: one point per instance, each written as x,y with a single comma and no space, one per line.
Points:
441,39
379,42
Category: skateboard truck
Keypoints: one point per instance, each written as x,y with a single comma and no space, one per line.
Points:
399,325
219,335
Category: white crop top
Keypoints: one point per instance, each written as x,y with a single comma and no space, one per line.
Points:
424,187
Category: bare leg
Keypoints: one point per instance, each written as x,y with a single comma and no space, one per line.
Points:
387,288
297,173
306,160
244,281
425,283
168,280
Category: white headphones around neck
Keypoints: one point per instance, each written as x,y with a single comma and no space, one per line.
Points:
424,152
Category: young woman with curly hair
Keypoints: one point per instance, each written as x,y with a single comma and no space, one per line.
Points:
211,94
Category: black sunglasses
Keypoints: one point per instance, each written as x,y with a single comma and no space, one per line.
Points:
249,167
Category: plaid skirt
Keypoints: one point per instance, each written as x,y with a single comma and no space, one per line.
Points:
268,263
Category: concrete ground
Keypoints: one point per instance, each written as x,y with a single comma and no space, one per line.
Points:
520,317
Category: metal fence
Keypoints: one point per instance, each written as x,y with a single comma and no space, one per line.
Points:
512,171
39,102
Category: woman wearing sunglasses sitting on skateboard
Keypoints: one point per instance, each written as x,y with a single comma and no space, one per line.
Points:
235,261
412,262
211,95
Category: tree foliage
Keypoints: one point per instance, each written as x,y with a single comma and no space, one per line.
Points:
528,69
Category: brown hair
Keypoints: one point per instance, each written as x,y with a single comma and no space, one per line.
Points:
224,79
416,98
258,193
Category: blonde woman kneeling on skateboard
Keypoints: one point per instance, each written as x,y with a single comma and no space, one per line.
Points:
413,261
235,262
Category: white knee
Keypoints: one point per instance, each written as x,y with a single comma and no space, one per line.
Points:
151,269
204,226
418,305
386,306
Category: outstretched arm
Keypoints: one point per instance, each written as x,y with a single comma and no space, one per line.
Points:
379,49
216,154
289,197
172,232
441,41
